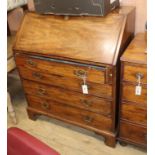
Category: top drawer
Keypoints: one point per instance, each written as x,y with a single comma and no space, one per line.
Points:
94,74
132,72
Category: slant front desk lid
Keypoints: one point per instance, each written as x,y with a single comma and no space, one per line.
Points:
82,39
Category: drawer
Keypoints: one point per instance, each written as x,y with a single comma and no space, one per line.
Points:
70,114
131,73
134,113
133,133
87,102
62,68
66,82
128,94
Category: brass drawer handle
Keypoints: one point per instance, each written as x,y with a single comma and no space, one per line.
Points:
80,73
31,63
86,103
37,75
41,91
88,119
139,75
45,105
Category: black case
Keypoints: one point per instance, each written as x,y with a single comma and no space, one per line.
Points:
75,7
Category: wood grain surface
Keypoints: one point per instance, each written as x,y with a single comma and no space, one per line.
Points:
93,104
136,52
53,54
132,70
133,107
128,94
100,38
134,113
73,114
66,75
57,93
65,69
133,133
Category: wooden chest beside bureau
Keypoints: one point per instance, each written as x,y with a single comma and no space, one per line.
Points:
68,67
133,103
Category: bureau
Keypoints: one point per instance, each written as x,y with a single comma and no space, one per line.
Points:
133,102
68,67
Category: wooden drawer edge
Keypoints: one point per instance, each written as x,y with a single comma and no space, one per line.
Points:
142,145
104,96
133,83
128,139
141,69
106,69
74,106
103,132
129,87
133,123
134,103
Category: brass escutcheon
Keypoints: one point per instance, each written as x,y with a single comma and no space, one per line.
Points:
45,105
88,119
37,75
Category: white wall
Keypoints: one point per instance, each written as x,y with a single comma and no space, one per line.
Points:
141,12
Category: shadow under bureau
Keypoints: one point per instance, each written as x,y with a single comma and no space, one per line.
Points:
68,67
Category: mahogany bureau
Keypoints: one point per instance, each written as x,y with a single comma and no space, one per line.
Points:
68,67
133,102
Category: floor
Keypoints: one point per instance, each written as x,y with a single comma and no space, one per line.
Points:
65,138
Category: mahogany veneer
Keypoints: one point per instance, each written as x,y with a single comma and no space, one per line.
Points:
133,106
53,55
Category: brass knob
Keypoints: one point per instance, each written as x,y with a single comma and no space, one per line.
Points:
88,119
31,63
45,105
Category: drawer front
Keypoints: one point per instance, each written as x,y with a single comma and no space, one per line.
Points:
134,113
128,94
133,133
68,113
131,73
62,68
75,99
66,82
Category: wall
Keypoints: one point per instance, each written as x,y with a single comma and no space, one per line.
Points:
141,13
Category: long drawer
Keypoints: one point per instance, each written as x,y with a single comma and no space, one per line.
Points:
128,94
62,68
133,133
134,113
69,113
74,84
75,99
